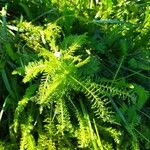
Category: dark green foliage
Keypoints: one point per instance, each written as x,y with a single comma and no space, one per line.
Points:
74,75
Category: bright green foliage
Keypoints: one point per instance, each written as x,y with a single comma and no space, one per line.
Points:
60,75
74,75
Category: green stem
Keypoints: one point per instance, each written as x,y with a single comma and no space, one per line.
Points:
119,67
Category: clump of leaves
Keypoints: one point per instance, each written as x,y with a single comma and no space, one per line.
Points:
61,70
64,61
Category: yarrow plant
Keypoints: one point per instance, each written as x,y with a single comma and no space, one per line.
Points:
71,77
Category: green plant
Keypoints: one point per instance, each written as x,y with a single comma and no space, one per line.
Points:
83,86
65,69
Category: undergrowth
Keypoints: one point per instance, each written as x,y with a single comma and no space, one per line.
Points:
74,75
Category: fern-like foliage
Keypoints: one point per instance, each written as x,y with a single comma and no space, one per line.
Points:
27,141
59,71
63,118
22,104
68,58
83,131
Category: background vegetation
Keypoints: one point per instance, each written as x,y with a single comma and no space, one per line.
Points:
74,74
